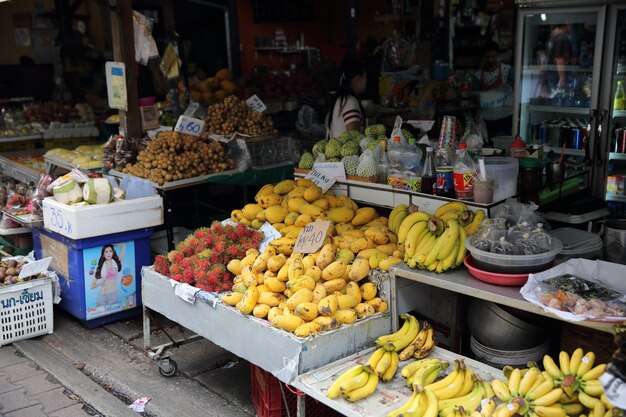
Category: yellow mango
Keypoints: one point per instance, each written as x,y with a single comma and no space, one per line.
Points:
291,217
347,202
231,298
256,224
266,201
234,266
345,255
368,291
353,233
272,299
294,203
275,284
379,236
284,187
301,281
326,256
380,306
363,216
287,321
237,216
327,323
303,220
328,305
347,301
265,190
341,228
306,311
334,285
345,316
363,310
386,262
341,214
297,192
321,203
312,193
332,200
359,244
278,226
314,272
388,248
248,276
275,262
249,300
360,269
311,210
276,214
334,270
303,295
353,289
260,216
307,329
274,311
304,182
250,211
260,310
319,292
367,253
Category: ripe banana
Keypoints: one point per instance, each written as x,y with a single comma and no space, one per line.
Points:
594,373
353,383
410,368
403,341
550,366
472,228
426,374
431,403
528,380
335,389
451,240
449,379
383,363
564,361
404,407
554,411
441,240
548,399
592,387
452,206
453,389
542,389
411,241
488,406
408,222
391,370
365,390
375,357
575,361
586,363
388,338
400,208
587,400
462,249
469,402
501,390
416,343
514,381
428,346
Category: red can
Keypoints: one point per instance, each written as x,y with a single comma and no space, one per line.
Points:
620,140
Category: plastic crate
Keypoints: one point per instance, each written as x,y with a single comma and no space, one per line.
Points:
268,401
16,245
272,151
25,310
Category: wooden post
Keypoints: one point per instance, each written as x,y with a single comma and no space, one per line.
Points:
124,51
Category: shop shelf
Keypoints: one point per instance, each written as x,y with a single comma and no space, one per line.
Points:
619,113
616,198
556,109
568,151
617,156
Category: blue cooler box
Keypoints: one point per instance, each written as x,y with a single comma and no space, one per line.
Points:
100,277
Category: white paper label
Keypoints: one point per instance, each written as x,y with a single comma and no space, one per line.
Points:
116,85
269,234
320,179
186,292
35,268
189,125
614,389
311,238
256,104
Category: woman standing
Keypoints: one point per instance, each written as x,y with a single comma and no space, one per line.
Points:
346,112
107,274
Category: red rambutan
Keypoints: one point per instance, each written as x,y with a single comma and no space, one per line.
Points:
201,233
217,228
162,269
175,256
176,269
188,276
177,277
233,251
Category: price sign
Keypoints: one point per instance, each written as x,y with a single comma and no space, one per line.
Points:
256,104
311,238
189,125
35,268
116,85
321,180
57,222
269,234
186,292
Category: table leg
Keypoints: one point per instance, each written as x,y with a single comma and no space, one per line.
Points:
169,226
300,406
146,328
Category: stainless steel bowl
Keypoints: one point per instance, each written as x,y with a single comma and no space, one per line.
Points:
496,328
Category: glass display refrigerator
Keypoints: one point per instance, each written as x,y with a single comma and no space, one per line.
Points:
558,87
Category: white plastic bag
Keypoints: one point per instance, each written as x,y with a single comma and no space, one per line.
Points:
397,130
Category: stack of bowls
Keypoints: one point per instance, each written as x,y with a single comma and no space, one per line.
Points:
501,338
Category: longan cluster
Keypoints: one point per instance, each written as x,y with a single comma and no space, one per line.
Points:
234,115
173,156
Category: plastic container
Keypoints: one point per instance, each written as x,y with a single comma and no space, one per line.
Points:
483,191
504,170
514,280
578,243
513,264
76,263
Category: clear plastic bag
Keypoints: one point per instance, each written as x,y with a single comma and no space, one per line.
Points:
502,247
541,240
524,246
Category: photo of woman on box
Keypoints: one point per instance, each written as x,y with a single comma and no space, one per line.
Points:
108,274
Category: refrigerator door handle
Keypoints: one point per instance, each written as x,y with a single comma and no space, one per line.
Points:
598,156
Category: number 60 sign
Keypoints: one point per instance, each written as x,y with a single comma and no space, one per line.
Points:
189,125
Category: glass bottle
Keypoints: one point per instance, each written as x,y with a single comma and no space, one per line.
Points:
619,100
428,173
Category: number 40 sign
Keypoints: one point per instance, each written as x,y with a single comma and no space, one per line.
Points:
311,238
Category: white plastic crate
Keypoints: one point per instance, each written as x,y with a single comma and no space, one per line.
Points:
25,310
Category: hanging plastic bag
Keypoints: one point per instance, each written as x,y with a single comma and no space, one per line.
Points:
397,130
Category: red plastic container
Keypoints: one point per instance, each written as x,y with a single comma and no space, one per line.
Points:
512,280
268,402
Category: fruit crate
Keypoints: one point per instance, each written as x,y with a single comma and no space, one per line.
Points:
25,310
267,397
272,151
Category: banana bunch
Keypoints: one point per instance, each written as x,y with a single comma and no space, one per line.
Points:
421,345
355,384
398,214
421,403
469,402
406,334
577,377
457,383
459,211
304,294
384,361
423,372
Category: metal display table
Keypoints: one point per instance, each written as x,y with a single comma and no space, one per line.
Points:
461,282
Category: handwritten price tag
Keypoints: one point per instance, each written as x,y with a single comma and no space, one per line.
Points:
256,104
311,238
189,125
269,234
57,221
320,179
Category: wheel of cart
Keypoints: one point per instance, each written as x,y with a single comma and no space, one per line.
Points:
161,353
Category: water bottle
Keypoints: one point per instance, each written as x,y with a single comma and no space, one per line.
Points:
411,157
382,168
396,165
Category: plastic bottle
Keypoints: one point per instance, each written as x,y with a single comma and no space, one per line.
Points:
428,173
411,158
619,100
463,172
394,152
382,168
444,180
518,148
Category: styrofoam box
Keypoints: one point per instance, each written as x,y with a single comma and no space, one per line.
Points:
102,219
25,310
255,340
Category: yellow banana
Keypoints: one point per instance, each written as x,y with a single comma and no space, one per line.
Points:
550,366
404,407
419,404
450,261
593,387
375,357
429,344
488,406
391,369
544,388
411,242
432,402
353,383
472,228
451,240
540,380
396,210
441,240
451,215
364,391
598,410
383,363
514,380
528,380
334,390
411,368
422,252
469,401
587,400
423,374
501,390
452,206
449,379
555,411
564,363
415,344
586,363
388,338
572,409
468,383
488,390
451,390
548,399
594,373
575,361
397,221
402,342
608,404
462,249
408,222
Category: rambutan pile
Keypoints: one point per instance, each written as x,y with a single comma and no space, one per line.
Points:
201,258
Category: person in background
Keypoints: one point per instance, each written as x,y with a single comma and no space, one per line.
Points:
346,112
373,61
560,51
492,73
